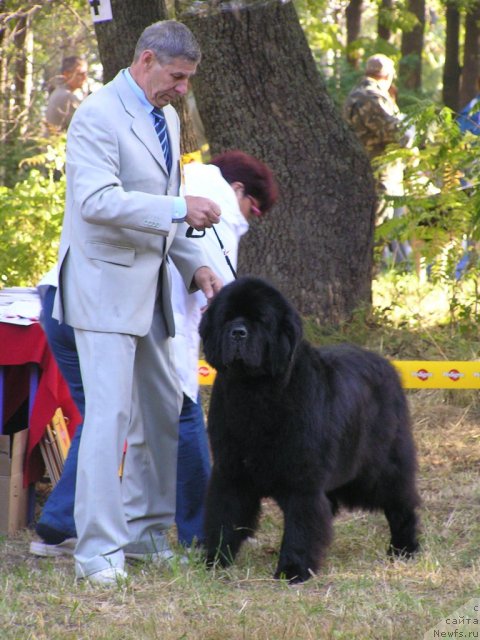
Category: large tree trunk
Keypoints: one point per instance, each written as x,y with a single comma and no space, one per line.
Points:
258,90
412,48
471,63
451,69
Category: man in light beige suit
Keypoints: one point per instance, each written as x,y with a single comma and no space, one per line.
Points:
123,217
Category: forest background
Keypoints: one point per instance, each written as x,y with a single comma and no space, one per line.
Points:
272,67
436,49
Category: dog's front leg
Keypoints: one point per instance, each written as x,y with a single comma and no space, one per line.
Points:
231,516
307,533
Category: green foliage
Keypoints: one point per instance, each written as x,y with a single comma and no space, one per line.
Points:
442,204
55,30
441,195
412,319
31,214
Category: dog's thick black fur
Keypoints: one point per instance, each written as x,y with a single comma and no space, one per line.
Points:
314,429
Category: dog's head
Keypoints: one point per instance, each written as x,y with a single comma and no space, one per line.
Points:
250,328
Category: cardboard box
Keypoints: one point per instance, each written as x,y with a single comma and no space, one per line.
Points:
13,496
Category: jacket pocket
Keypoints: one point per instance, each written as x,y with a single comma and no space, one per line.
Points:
115,254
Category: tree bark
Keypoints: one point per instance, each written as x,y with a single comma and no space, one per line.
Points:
383,29
451,69
471,56
412,48
353,14
188,137
258,89
23,43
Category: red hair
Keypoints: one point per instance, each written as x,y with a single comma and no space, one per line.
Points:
255,175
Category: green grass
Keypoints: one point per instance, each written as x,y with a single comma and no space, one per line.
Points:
358,594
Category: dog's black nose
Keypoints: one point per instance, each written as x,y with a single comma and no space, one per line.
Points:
238,332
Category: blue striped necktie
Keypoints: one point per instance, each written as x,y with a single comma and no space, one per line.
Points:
161,129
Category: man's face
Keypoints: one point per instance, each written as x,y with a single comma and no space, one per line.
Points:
75,79
162,83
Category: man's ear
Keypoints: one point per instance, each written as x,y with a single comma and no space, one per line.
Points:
147,57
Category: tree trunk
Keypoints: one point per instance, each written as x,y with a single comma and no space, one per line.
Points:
383,29
23,42
412,48
188,136
471,68
451,69
258,89
353,15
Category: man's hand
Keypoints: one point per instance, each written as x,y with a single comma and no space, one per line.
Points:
202,213
208,282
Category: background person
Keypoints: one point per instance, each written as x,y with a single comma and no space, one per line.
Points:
67,94
123,216
372,112
469,117
468,120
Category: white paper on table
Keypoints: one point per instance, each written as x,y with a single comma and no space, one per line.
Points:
19,306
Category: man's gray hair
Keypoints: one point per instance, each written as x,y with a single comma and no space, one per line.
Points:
168,39
379,66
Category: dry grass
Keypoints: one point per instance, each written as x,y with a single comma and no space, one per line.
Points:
358,594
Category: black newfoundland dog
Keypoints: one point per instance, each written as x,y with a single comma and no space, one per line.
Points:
314,429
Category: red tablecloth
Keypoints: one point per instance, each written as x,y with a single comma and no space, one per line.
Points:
20,345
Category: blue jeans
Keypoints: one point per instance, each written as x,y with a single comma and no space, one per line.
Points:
193,473
57,512
193,454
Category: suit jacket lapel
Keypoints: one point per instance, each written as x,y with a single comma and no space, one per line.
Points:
142,125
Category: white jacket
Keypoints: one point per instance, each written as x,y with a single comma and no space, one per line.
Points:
207,181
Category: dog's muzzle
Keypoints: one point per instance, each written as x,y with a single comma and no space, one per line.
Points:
238,332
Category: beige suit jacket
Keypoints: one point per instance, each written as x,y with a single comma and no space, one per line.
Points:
118,218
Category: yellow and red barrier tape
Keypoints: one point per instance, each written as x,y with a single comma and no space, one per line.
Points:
414,374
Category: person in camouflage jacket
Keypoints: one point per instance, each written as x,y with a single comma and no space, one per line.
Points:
374,116
370,109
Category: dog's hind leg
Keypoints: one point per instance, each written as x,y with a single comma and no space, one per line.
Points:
231,516
307,533
402,520
400,500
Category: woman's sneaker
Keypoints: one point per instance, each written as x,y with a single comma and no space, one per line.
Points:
65,548
53,543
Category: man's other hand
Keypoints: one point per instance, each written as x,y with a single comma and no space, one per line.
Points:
208,282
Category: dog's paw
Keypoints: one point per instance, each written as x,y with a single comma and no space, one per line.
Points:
219,558
405,553
294,575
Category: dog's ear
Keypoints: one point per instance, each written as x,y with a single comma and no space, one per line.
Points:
292,327
205,327
209,337
290,333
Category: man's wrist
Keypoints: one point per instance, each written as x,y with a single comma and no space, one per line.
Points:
179,210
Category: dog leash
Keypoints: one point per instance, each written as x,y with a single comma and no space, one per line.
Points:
190,234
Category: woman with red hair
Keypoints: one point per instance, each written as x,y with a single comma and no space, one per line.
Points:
243,187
